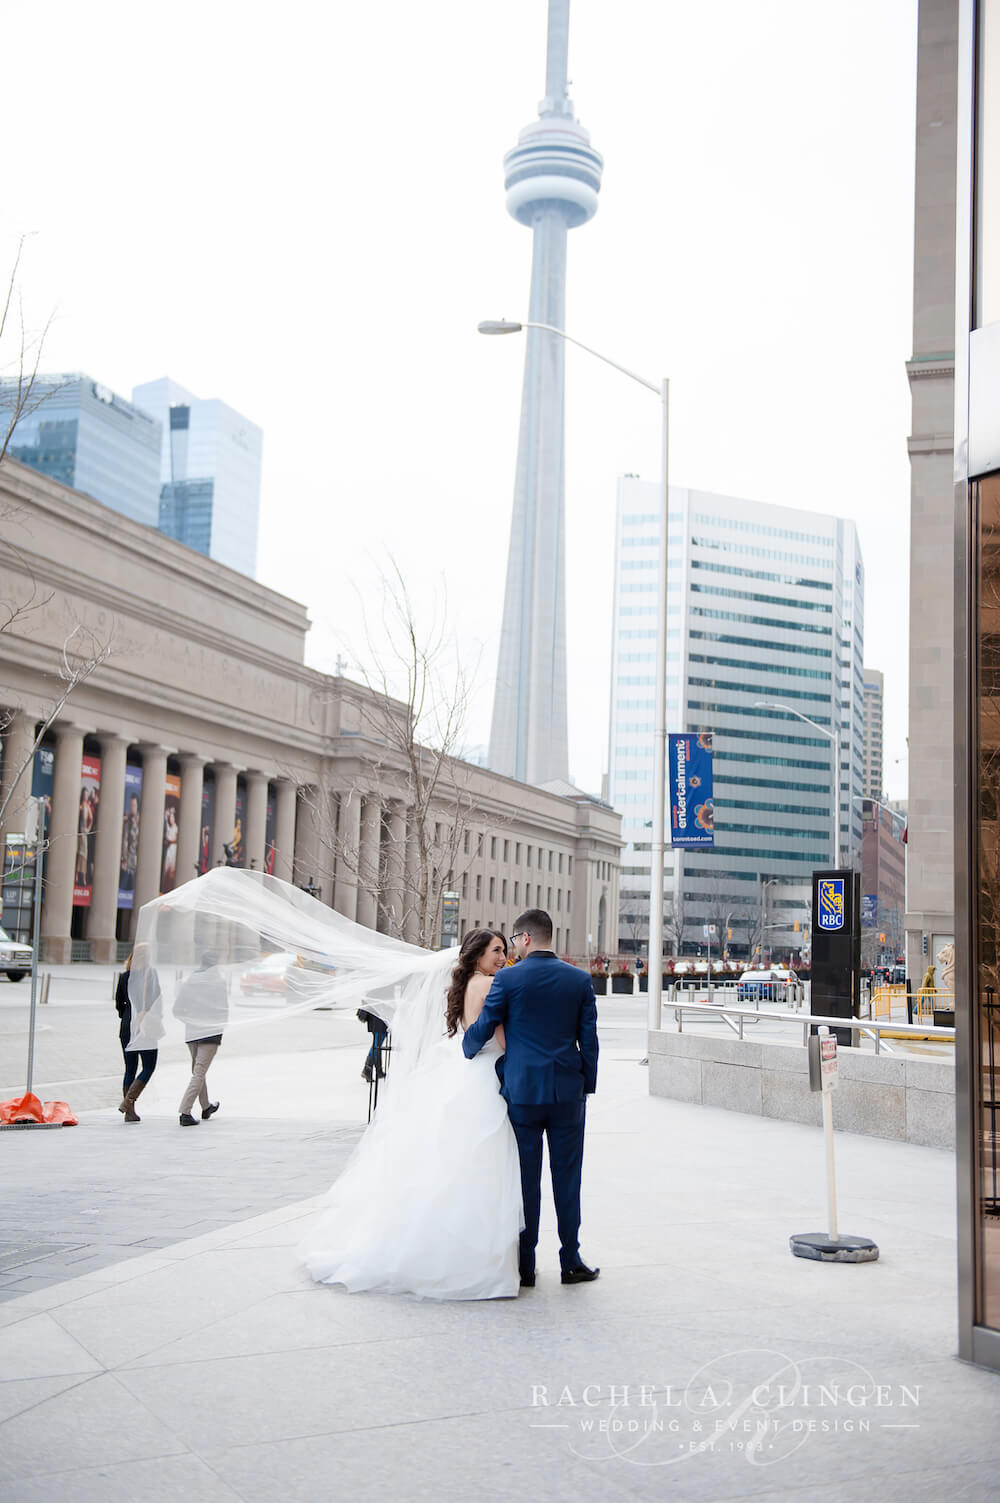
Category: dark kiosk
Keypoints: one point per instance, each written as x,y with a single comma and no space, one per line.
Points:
836,947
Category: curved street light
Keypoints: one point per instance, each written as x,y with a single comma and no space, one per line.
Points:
658,841
834,738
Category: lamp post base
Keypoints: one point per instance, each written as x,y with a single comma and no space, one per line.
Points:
823,1248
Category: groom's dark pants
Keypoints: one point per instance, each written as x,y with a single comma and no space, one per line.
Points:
562,1122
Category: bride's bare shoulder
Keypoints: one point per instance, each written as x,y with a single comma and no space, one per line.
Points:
476,989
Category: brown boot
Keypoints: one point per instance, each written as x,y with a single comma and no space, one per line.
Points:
134,1091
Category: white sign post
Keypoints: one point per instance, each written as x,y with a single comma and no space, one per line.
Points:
832,1247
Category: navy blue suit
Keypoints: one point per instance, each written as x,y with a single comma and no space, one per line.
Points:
549,1016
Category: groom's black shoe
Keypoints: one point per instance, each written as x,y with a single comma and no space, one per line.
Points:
527,1278
581,1274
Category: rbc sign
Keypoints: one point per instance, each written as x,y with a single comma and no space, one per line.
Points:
831,902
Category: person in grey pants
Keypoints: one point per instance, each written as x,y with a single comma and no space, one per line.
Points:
203,1005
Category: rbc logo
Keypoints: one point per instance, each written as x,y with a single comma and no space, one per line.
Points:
831,903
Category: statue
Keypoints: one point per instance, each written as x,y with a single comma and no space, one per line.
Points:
946,961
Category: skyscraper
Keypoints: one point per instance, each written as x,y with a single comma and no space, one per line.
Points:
552,178
765,603
874,692
209,472
86,436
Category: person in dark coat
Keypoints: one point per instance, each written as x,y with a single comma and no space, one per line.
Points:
135,1080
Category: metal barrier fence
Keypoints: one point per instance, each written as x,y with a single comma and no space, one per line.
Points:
735,1017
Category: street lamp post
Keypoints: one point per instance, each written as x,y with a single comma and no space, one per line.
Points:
658,841
834,738
765,883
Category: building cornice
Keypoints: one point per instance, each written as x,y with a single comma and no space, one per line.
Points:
930,367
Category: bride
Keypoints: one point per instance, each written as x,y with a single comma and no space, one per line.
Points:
430,1203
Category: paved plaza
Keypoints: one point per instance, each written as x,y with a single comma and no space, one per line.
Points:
159,1342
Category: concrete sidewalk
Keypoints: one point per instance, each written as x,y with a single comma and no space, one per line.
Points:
706,1363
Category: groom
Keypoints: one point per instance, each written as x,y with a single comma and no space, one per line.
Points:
549,1016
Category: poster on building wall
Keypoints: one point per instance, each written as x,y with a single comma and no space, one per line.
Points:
689,784
207,826
239,824
86,830
269,836
130,836
171,829
41,783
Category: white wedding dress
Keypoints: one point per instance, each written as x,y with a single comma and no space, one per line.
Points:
430,1202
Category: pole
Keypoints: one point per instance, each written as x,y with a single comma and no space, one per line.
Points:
836,798
35,928
831,1173
657,844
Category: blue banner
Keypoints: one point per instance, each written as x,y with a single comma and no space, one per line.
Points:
869,909
689,785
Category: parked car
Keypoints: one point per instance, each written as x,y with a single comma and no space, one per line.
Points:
760,986
269,977
15,958
283,974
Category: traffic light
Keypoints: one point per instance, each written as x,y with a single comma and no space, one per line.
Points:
881,939
796,926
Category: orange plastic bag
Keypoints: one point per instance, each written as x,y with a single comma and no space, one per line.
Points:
28,1108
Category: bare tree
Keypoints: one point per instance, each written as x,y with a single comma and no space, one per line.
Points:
82,654
674,922
19,395
413,716
719,911
634,914
749,921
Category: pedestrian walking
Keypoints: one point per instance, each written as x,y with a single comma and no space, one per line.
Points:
203,1006
135,1079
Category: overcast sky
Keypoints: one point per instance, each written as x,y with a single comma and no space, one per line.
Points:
299,209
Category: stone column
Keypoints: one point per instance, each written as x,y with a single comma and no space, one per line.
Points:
225,810
189,834
307,863
411,923
103,914
255,835
17,742
395,867
150,858
60,858
368,879
348,843
284,829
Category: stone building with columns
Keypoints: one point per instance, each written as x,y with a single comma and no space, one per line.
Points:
204,729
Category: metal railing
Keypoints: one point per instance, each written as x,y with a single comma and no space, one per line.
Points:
868,1028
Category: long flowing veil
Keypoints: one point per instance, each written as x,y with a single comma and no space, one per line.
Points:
237,949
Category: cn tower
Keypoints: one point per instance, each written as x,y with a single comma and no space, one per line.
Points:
552,178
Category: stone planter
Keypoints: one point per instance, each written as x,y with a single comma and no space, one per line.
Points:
644,982
600,985
621,986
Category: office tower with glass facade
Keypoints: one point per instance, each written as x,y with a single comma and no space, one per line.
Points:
874,696
766,604
209,471
86,436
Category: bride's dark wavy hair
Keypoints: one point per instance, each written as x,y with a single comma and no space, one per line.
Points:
474,945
